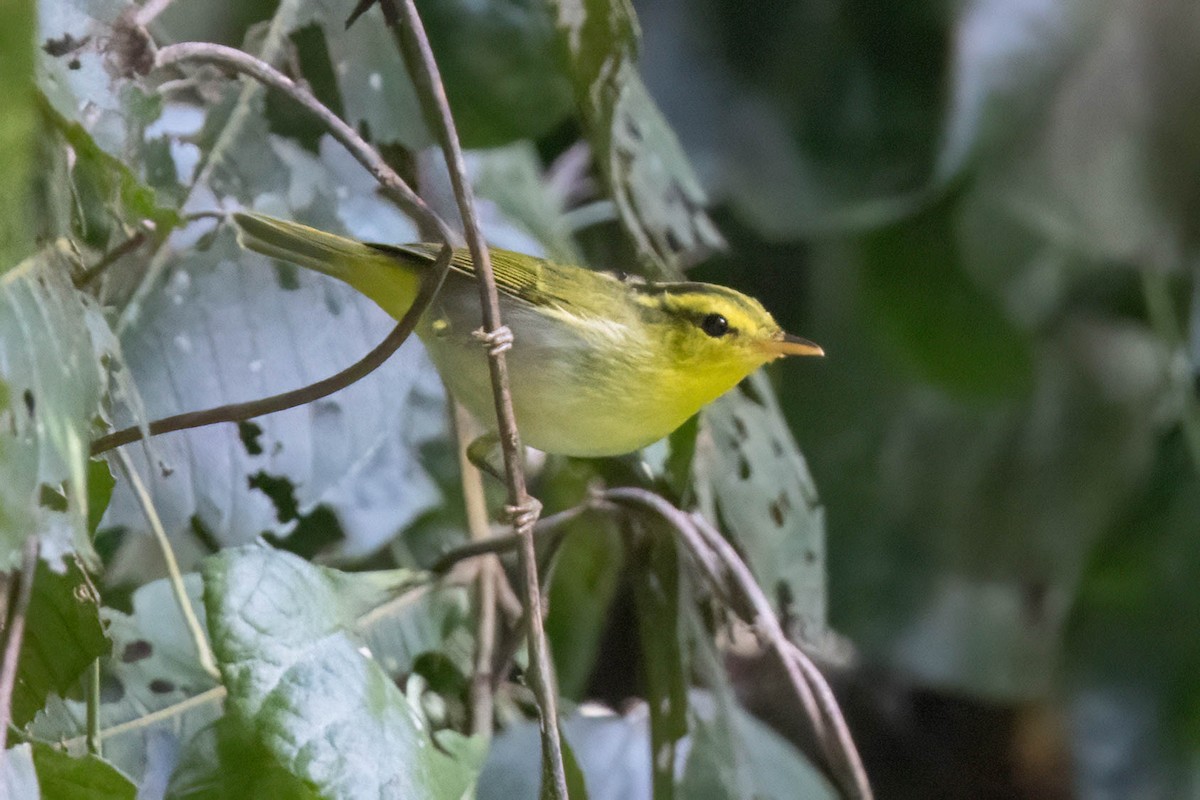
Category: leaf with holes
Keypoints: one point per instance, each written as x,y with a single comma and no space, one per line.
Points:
658,197
282,633
748,463
230,326
51,382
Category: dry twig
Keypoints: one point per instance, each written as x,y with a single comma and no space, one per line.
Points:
433,94
14,633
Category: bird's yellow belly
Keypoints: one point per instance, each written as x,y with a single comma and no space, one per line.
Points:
561,404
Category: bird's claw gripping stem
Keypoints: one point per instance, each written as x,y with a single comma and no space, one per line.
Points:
523,516
497,341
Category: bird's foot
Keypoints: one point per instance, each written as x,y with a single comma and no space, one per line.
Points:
497,341
524,516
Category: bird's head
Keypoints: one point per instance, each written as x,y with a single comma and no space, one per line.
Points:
715,333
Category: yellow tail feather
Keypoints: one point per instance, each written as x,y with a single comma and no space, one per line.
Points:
388,278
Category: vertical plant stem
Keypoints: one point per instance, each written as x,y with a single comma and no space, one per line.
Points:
199,639
485,580
94,746
14,633
433,93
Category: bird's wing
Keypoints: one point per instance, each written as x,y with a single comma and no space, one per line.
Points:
518,275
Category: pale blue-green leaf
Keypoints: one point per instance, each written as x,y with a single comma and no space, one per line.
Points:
51,382
19,779
230,326
614,754
512,178
282,635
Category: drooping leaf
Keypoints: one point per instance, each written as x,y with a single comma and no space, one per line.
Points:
87,778
659,200
584,580
63,635
330,715
747,461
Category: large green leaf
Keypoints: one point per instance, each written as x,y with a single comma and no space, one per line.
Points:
231,326
282,635
51,341
658,197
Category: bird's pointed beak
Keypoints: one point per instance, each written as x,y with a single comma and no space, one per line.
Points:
785,344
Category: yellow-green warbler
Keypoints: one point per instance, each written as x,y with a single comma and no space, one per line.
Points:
601,365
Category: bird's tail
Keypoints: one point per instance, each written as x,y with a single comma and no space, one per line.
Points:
382,275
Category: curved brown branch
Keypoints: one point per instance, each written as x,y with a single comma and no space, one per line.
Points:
394,188
733,582
239,412
393,185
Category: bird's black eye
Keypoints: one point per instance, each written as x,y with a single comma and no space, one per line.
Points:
715,325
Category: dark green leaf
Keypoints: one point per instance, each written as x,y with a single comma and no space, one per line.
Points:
63,635
153,686
500,67
585,576
18,126
88,778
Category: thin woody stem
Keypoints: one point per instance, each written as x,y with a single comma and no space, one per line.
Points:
433,93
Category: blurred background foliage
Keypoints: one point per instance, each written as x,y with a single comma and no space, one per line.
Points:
984,210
